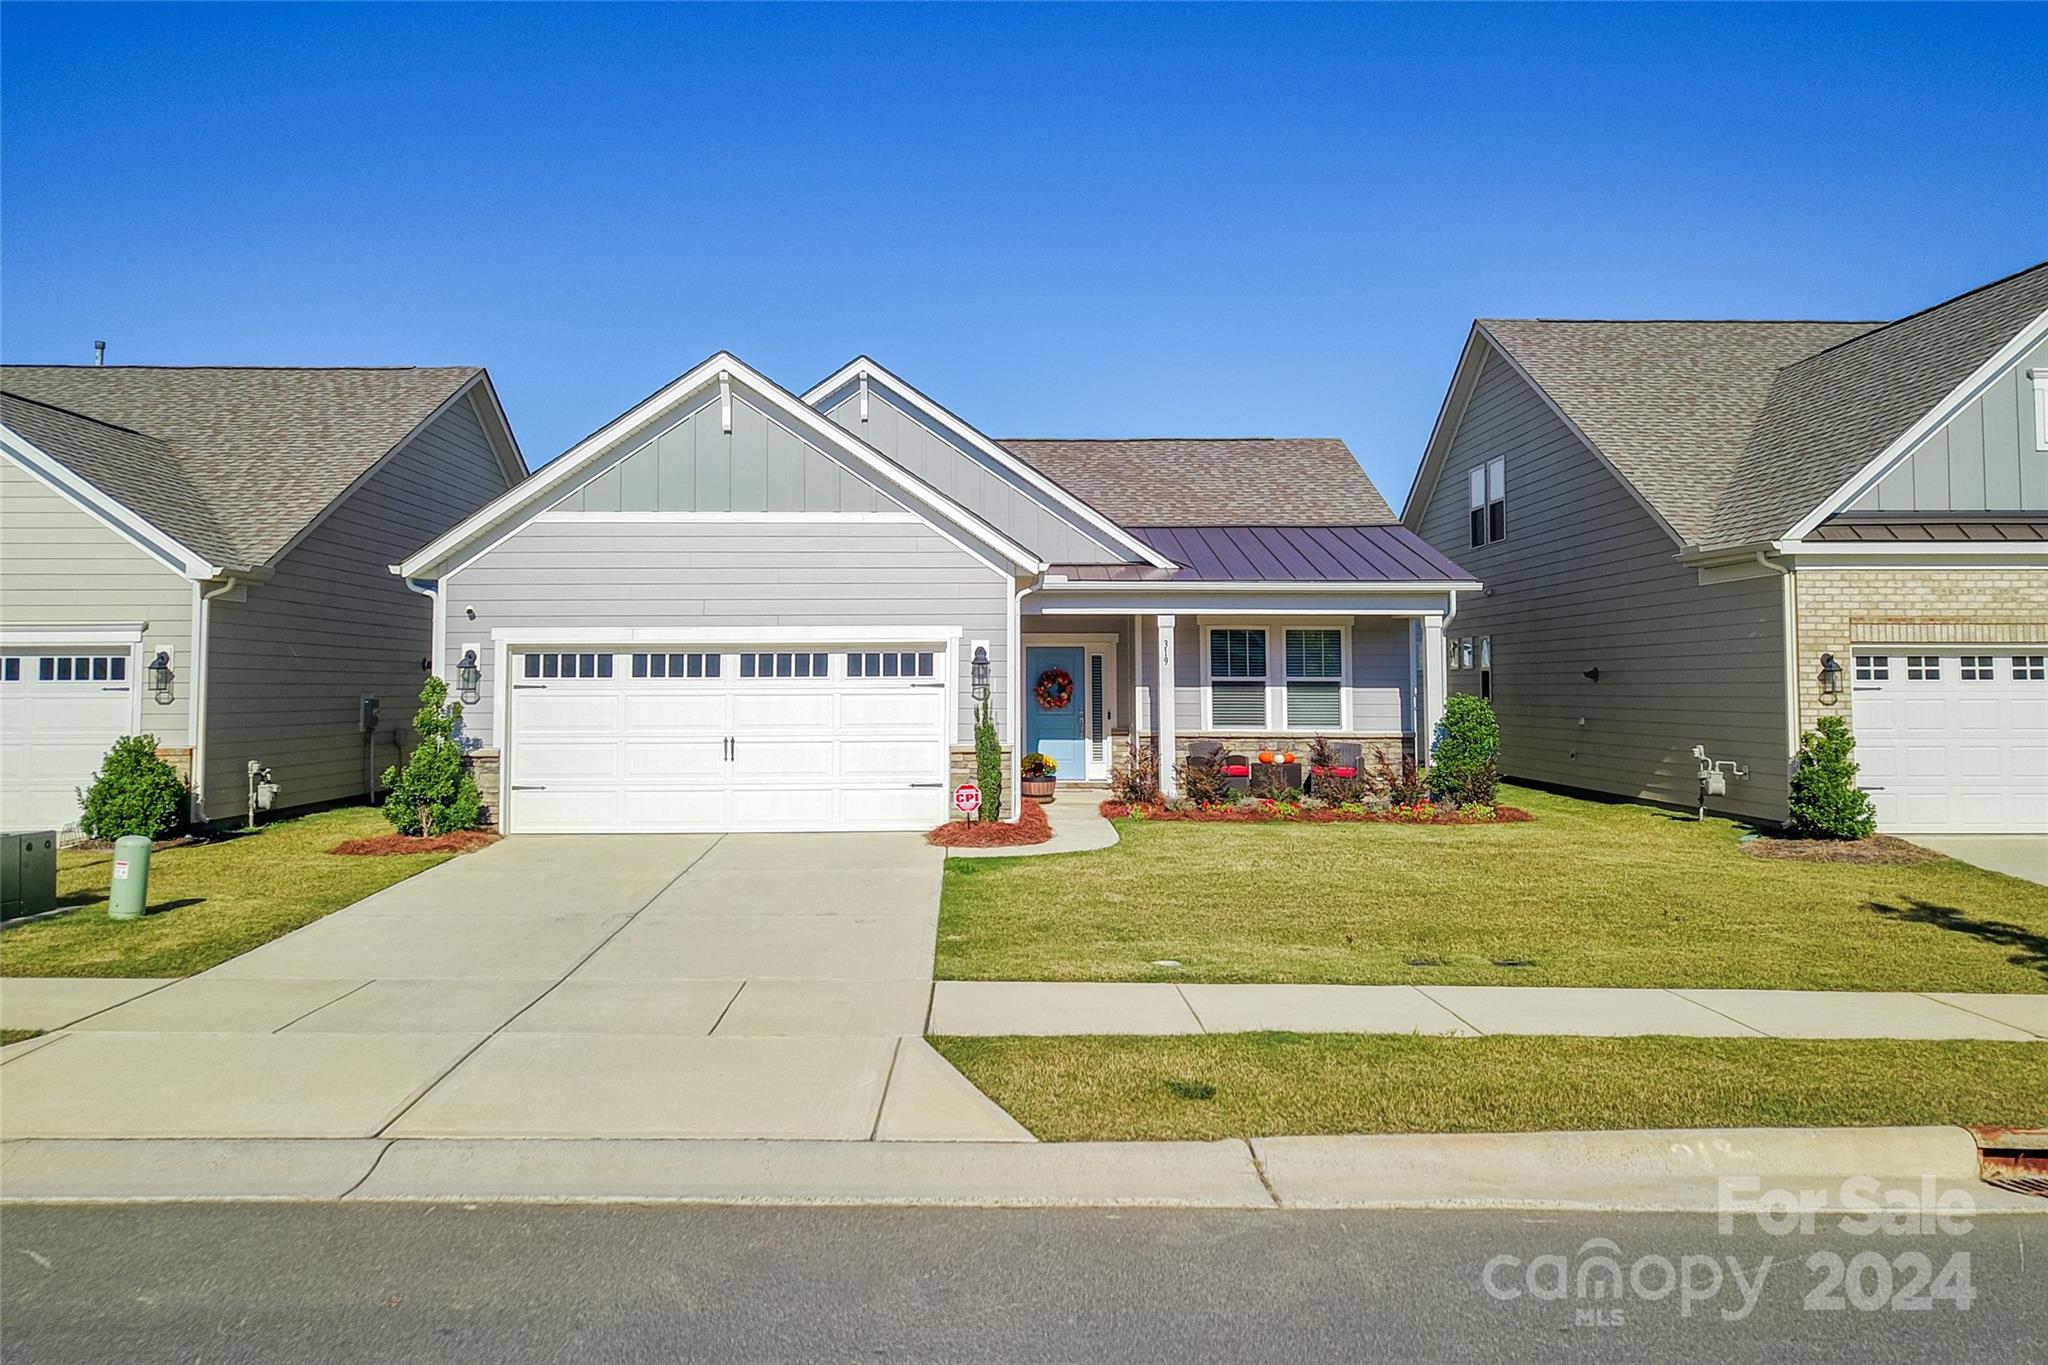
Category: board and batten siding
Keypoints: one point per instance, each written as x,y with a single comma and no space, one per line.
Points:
692,464
290,663
61,566
1986,458
1584,579
997,495
579,575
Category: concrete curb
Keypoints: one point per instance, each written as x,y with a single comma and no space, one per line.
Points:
1669,1171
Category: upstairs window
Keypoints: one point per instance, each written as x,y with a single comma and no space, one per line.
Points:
1487,497
1237,679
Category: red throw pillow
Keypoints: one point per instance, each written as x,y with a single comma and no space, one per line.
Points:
1237,770
1344,772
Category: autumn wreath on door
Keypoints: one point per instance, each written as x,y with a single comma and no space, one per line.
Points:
1055,689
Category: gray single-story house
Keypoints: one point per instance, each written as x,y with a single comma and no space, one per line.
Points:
198,554
738,608
1715,533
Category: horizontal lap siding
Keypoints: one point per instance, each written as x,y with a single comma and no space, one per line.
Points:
694,575
291,662
1587,579
1379,684
61,566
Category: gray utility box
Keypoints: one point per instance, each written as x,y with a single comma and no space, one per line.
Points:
28,873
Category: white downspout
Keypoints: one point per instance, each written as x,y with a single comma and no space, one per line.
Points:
201,667
1790,611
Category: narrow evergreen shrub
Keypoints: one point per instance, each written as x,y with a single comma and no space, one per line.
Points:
134,792
1826,803
988,762
435,794
1467,749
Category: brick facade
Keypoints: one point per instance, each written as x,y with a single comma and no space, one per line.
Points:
1842,608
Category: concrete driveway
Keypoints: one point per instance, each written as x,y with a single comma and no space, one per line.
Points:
626,986
2016,855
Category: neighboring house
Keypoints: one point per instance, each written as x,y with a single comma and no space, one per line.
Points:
735,608
1682,526
199,554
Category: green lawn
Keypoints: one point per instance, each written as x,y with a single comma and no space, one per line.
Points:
1269,1084
207,902
1589,894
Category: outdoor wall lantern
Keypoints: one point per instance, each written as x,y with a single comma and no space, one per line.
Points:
469,678
1591,675
1830,679
978,671
160,677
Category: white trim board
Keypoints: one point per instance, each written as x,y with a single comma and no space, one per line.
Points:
115,515
861,367
1981,378
717,370
52,637
521,636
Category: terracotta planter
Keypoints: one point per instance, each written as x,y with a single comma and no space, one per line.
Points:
1039,788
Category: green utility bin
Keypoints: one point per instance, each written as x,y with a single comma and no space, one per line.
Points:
130,892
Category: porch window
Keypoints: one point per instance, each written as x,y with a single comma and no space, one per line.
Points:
1315,679
1237,679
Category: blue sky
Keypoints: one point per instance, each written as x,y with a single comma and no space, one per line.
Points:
1056,220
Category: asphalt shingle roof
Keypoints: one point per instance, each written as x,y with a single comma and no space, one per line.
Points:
234,462
1671,404
1733,431
1188,481
1830,415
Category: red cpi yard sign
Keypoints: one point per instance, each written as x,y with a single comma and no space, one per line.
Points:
967,798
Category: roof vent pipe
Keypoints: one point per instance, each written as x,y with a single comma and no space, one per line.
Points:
99,353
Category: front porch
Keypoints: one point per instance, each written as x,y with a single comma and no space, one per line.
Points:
1088,683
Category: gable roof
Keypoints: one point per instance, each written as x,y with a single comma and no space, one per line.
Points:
1192,481
235,462
1833,414
720,369
1732,432
1670,404
861,368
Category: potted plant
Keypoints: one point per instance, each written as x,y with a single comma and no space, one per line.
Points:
1038,774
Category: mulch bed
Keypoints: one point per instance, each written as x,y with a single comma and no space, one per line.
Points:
1030,827
1878,848
390,845
1272,815
156,845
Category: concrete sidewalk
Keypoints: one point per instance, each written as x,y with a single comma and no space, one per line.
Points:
1676,1170
1047,1008
1077,827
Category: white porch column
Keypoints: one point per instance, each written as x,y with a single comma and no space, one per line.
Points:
1162,698
1433,683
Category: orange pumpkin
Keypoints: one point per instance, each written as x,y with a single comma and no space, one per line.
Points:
1287,757
1265,755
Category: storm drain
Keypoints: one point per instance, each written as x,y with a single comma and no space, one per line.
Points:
2013,1159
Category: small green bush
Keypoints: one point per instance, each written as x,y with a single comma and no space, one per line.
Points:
988,763
1464,759
1826,803
436,794
134,792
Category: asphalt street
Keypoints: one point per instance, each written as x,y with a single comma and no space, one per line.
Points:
511,1284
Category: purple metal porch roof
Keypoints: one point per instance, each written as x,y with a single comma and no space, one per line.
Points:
1278,554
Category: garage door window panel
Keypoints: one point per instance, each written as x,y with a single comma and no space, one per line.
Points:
685,666
567,666
2030,668
878,664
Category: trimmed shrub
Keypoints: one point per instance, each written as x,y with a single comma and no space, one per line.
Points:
134,792
436,794
1466,750
988,763
1203,784
1826,802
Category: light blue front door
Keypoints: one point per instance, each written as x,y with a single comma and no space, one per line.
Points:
1056,734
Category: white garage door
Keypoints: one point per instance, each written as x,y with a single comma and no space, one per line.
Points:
1954,742
59,713
695,739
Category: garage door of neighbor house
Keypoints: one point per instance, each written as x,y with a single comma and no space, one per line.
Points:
1954,742
705,739
59,713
